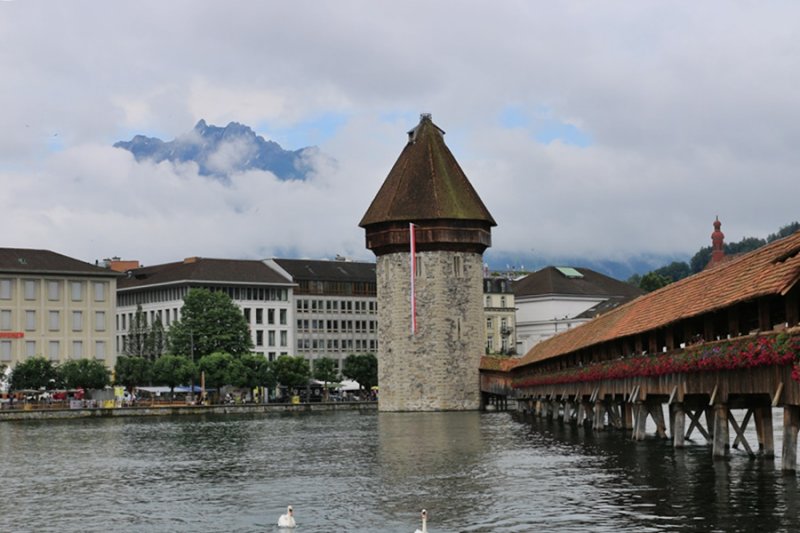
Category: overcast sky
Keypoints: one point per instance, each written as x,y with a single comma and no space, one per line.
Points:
595,129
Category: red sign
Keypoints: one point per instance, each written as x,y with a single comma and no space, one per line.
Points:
11,334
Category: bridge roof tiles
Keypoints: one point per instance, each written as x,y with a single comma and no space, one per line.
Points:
771,270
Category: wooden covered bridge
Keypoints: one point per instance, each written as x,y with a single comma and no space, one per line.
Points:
726,339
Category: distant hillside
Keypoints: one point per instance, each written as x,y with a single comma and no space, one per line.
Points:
621,270
220,152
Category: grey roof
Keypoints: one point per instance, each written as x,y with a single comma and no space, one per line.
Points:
321,270
201,269
550,280
28,261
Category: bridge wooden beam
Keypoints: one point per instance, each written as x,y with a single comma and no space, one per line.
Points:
721,445
791,425
739,430
764,431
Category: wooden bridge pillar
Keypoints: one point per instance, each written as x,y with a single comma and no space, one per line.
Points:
627,416
586,408
766,435
677,424
791,425
567,411
721,446
640,421
599,411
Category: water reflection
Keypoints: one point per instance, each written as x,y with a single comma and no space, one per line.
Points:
351,471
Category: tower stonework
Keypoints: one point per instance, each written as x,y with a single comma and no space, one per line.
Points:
435,367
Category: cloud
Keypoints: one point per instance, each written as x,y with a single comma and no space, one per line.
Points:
596,131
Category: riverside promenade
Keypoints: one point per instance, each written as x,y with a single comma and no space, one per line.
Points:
182,409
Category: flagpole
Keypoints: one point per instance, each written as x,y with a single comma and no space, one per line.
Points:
413,267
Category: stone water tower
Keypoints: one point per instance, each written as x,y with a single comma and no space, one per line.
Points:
430,325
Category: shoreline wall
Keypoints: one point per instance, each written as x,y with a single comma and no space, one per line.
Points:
171,410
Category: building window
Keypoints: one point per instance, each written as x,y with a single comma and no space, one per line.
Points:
270,316
271,338
53,290
259,338
99,349
490,344
77,321
30,289
5,289
284,341
502,301
5,319
247,314
53,320
488,324
283,317
53,350
488,301
30,348
30,320
99,291
76,290
77,349
259,316
5,350
100,321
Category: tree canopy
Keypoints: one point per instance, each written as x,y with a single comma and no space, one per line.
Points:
293,372
34,373
131,372
85,373
361,368
210,323
173,370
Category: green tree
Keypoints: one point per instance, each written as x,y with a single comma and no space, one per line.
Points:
240,374
85,374
634,280
326,370
156,339
700,259
675,271
136,340
173,370
210,323
216,366
785,231
131,372
361,368
653,281
293,372
34,373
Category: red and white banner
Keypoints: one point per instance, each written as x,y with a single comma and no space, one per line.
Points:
413,254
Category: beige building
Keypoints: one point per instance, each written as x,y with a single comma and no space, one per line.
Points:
56,307
498,306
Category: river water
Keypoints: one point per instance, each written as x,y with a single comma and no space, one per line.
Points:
373,472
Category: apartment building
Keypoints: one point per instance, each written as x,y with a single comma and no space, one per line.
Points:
335,305
56,307
262,292
500,316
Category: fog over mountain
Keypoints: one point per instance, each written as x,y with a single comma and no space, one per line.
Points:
220,152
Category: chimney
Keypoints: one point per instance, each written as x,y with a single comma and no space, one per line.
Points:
717,244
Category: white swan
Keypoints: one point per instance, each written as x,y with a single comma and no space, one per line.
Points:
287,520
424,529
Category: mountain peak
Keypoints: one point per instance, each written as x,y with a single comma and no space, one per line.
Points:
220,152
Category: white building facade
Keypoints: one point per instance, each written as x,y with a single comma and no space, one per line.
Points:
263,293
555,299
335,307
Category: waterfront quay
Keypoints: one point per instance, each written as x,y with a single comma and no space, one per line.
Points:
175,408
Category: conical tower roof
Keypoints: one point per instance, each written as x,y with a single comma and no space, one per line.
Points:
426,184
